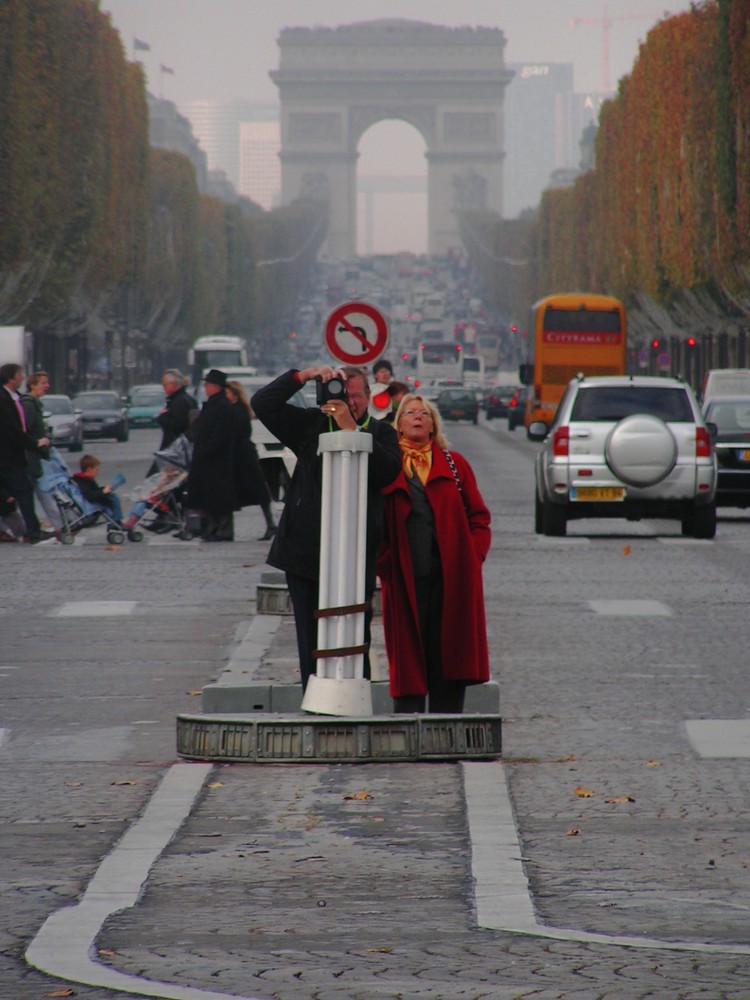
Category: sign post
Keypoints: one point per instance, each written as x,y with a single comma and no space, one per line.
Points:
356,333
339,687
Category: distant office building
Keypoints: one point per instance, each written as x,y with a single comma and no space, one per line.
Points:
538,131
260,169
217,127
168,129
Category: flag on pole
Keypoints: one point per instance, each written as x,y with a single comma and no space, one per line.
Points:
166,69
139,46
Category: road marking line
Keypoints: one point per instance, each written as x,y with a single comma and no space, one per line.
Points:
645,609
65,943
94,609
501,890
715,738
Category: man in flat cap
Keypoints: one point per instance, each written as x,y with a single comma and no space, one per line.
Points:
210,484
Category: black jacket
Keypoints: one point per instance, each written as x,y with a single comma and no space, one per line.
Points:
176,419
210,484
296,545
14,440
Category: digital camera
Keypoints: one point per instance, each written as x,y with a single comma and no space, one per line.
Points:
333,389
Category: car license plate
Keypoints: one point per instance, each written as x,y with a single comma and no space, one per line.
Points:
606,493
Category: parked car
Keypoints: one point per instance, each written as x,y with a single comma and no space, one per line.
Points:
729,419
517,408
103,413
496,400
725,382
144,404
629,447
458,404
64,422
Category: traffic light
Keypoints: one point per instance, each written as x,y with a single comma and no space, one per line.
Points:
691,341
655,345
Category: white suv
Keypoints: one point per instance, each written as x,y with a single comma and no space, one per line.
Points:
626,446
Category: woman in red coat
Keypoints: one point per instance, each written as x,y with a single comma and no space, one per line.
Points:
437,536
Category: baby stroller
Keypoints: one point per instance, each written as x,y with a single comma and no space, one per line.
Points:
159,497
75,511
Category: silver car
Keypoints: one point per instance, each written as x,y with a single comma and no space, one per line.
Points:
65,423
626,447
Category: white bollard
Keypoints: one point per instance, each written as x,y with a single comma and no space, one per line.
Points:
339,686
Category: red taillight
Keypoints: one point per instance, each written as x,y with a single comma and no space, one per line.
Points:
702,443
560,441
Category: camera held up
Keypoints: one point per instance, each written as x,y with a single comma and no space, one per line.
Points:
326,392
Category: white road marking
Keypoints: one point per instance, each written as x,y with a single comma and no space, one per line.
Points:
65,942
645,609
501,891
94,609
729,738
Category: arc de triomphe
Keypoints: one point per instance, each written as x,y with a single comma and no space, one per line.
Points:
449,83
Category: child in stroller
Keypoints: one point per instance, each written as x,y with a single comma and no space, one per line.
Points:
79,498
159,497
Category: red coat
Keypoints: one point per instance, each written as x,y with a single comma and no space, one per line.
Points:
463,536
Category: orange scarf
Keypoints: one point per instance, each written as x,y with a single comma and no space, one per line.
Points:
417,459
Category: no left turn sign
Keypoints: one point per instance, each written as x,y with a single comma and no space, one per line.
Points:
356,333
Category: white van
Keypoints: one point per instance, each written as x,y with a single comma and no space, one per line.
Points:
725,382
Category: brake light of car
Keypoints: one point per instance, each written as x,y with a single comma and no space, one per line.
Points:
702,443
560,441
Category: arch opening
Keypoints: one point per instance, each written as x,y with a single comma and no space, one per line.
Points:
391,189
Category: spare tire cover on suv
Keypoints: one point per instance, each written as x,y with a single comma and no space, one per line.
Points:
641,450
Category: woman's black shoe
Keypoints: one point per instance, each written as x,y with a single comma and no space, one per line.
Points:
270,532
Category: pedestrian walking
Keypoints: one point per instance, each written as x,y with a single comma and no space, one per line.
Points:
15,441
437,535
37,386
210,485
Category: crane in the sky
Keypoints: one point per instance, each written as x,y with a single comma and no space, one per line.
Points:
606,22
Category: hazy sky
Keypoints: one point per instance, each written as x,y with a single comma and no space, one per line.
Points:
224,49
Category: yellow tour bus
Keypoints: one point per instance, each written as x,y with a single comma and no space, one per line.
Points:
574,333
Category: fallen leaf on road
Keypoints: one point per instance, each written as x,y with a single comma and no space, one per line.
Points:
107,952
359,795
107,548
73,784
125,782
626,550
653,763
62,993
379,951
215,784
574,832
584,793
194,694
621,798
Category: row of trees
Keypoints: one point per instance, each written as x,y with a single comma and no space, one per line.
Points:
663,220
103,238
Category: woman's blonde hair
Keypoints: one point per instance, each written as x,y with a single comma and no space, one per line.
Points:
437,431
239,390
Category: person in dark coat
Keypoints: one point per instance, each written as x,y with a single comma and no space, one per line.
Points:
437,535
15,441
296,545
210,483
252,488
179,409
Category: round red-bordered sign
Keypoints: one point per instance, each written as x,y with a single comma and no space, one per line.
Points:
356,333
